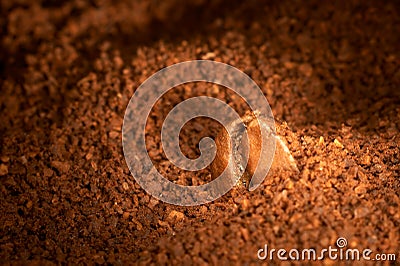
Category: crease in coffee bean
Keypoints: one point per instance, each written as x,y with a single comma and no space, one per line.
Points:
242,171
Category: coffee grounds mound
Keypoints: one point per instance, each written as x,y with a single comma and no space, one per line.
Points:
329,69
